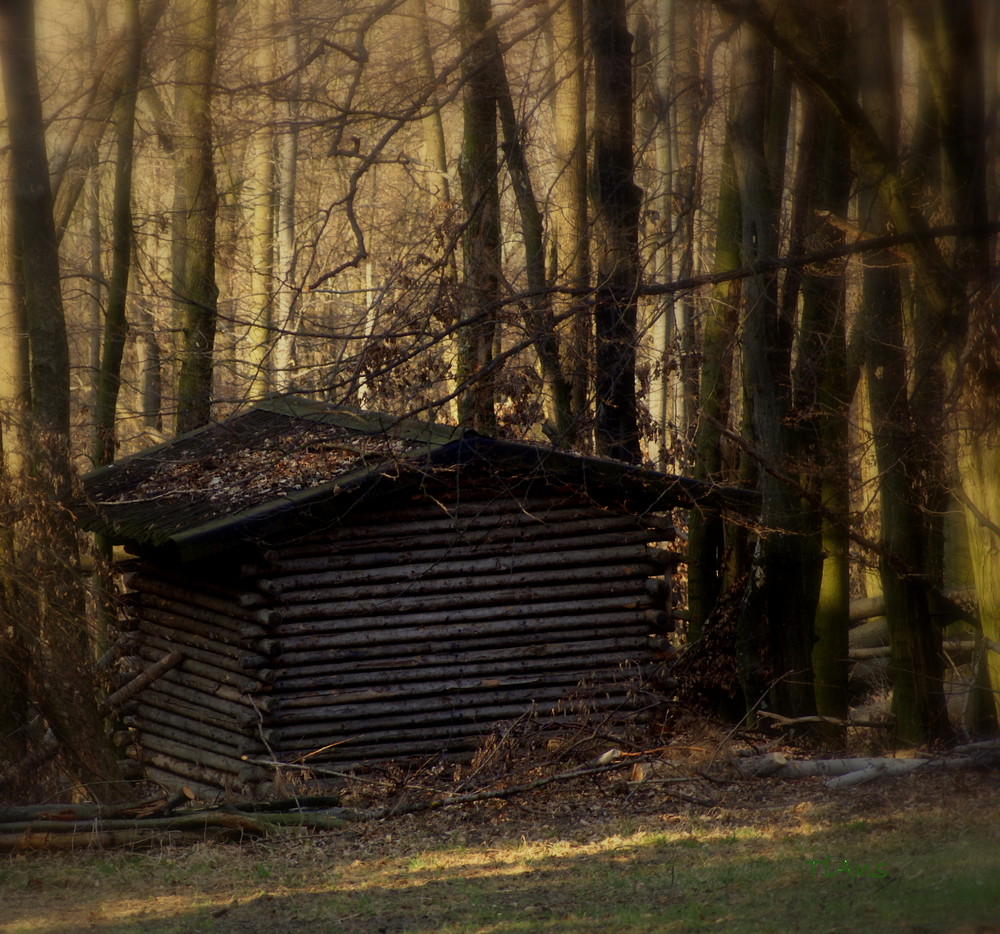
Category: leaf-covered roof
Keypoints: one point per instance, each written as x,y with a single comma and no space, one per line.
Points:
284,464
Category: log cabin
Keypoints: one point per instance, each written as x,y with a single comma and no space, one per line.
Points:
345,587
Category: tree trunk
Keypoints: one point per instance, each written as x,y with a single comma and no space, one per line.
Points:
43,594
616,200
777,632
261,198
115,323
569,234
537,309
285,298
915,666
481,239
706,530
194,212
822,387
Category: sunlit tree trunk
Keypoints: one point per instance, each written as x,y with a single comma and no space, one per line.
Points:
287,154
481,240
194,213
569,214
537,313
115,323
261,198
674,381
80,152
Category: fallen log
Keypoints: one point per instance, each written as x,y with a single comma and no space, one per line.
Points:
842,773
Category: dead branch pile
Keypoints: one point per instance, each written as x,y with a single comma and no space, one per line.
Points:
175,819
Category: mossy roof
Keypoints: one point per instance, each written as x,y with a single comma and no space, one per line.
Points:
287,465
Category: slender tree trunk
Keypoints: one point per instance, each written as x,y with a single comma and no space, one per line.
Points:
481,240
537,311
822,386
570,240
616,201
287,145
706,530
195,200
261,195
115,323
72,164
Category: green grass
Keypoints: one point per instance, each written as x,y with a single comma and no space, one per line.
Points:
926,873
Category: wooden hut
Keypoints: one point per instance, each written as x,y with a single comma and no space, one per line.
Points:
348,587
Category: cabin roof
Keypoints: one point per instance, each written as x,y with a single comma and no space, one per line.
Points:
290,464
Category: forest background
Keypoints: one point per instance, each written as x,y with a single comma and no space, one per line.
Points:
743,240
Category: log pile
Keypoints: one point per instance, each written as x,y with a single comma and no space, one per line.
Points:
403,633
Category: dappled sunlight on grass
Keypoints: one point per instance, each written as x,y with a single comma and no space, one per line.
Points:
806,868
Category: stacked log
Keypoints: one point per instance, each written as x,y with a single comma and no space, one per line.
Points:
407,632
190,721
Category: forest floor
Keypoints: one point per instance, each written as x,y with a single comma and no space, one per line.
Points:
694,847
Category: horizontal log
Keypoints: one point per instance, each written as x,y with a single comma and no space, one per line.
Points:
664,557
569,582
454,551
212,727
956,646
194,621
246,682
400,694
195,592
548,657
164,626
187,734
362,716
514,528
549,559
201,700
447,513
516,646
169,767
224,627
205,791
635,607
540,629
484,590
374,745
191,752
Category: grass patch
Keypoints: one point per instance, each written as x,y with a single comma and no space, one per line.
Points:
923,871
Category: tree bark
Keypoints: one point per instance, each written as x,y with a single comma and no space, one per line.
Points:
537,310
194,212
481,239
115,322
915,665
616,201
776,631
261,208
569,221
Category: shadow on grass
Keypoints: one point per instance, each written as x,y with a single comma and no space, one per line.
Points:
857,877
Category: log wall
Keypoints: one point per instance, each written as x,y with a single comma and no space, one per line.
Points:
405,633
